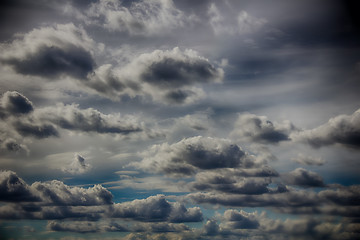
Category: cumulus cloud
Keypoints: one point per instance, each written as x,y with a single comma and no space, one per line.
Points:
78,165
170,76
189,155
14,189
240,220
303,177
46,122
342,129
250,127
140,18
53,192
52,52
156,208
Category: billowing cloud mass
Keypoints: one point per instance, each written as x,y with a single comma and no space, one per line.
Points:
189,155
170,76
52,52
156,208
342,129
259,129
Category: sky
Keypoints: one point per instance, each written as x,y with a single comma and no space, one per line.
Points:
179,119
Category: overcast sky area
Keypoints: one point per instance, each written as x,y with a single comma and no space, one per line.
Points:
179,119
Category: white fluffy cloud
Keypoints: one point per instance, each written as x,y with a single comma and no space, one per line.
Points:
140,18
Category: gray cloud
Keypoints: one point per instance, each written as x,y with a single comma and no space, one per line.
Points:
14,103
71,117
37,130
187,156
303,177
170,76
226,182
342,129
156,208
240,220
259,129
52,52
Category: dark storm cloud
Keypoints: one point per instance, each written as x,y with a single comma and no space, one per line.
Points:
342,129
52,52
53,62
28,129
303,177
156,208
260,129
14,189
15,103
173,73
189,155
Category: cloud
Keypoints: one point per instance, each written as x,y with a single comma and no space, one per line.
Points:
243,24
45,122
140,18
78,165
71,117
57,193
170,76
226,182
14,103
189,155
342,129
303,177
14,189
250,127
52,52
36,130
79,227
156,208
240,220
308,160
